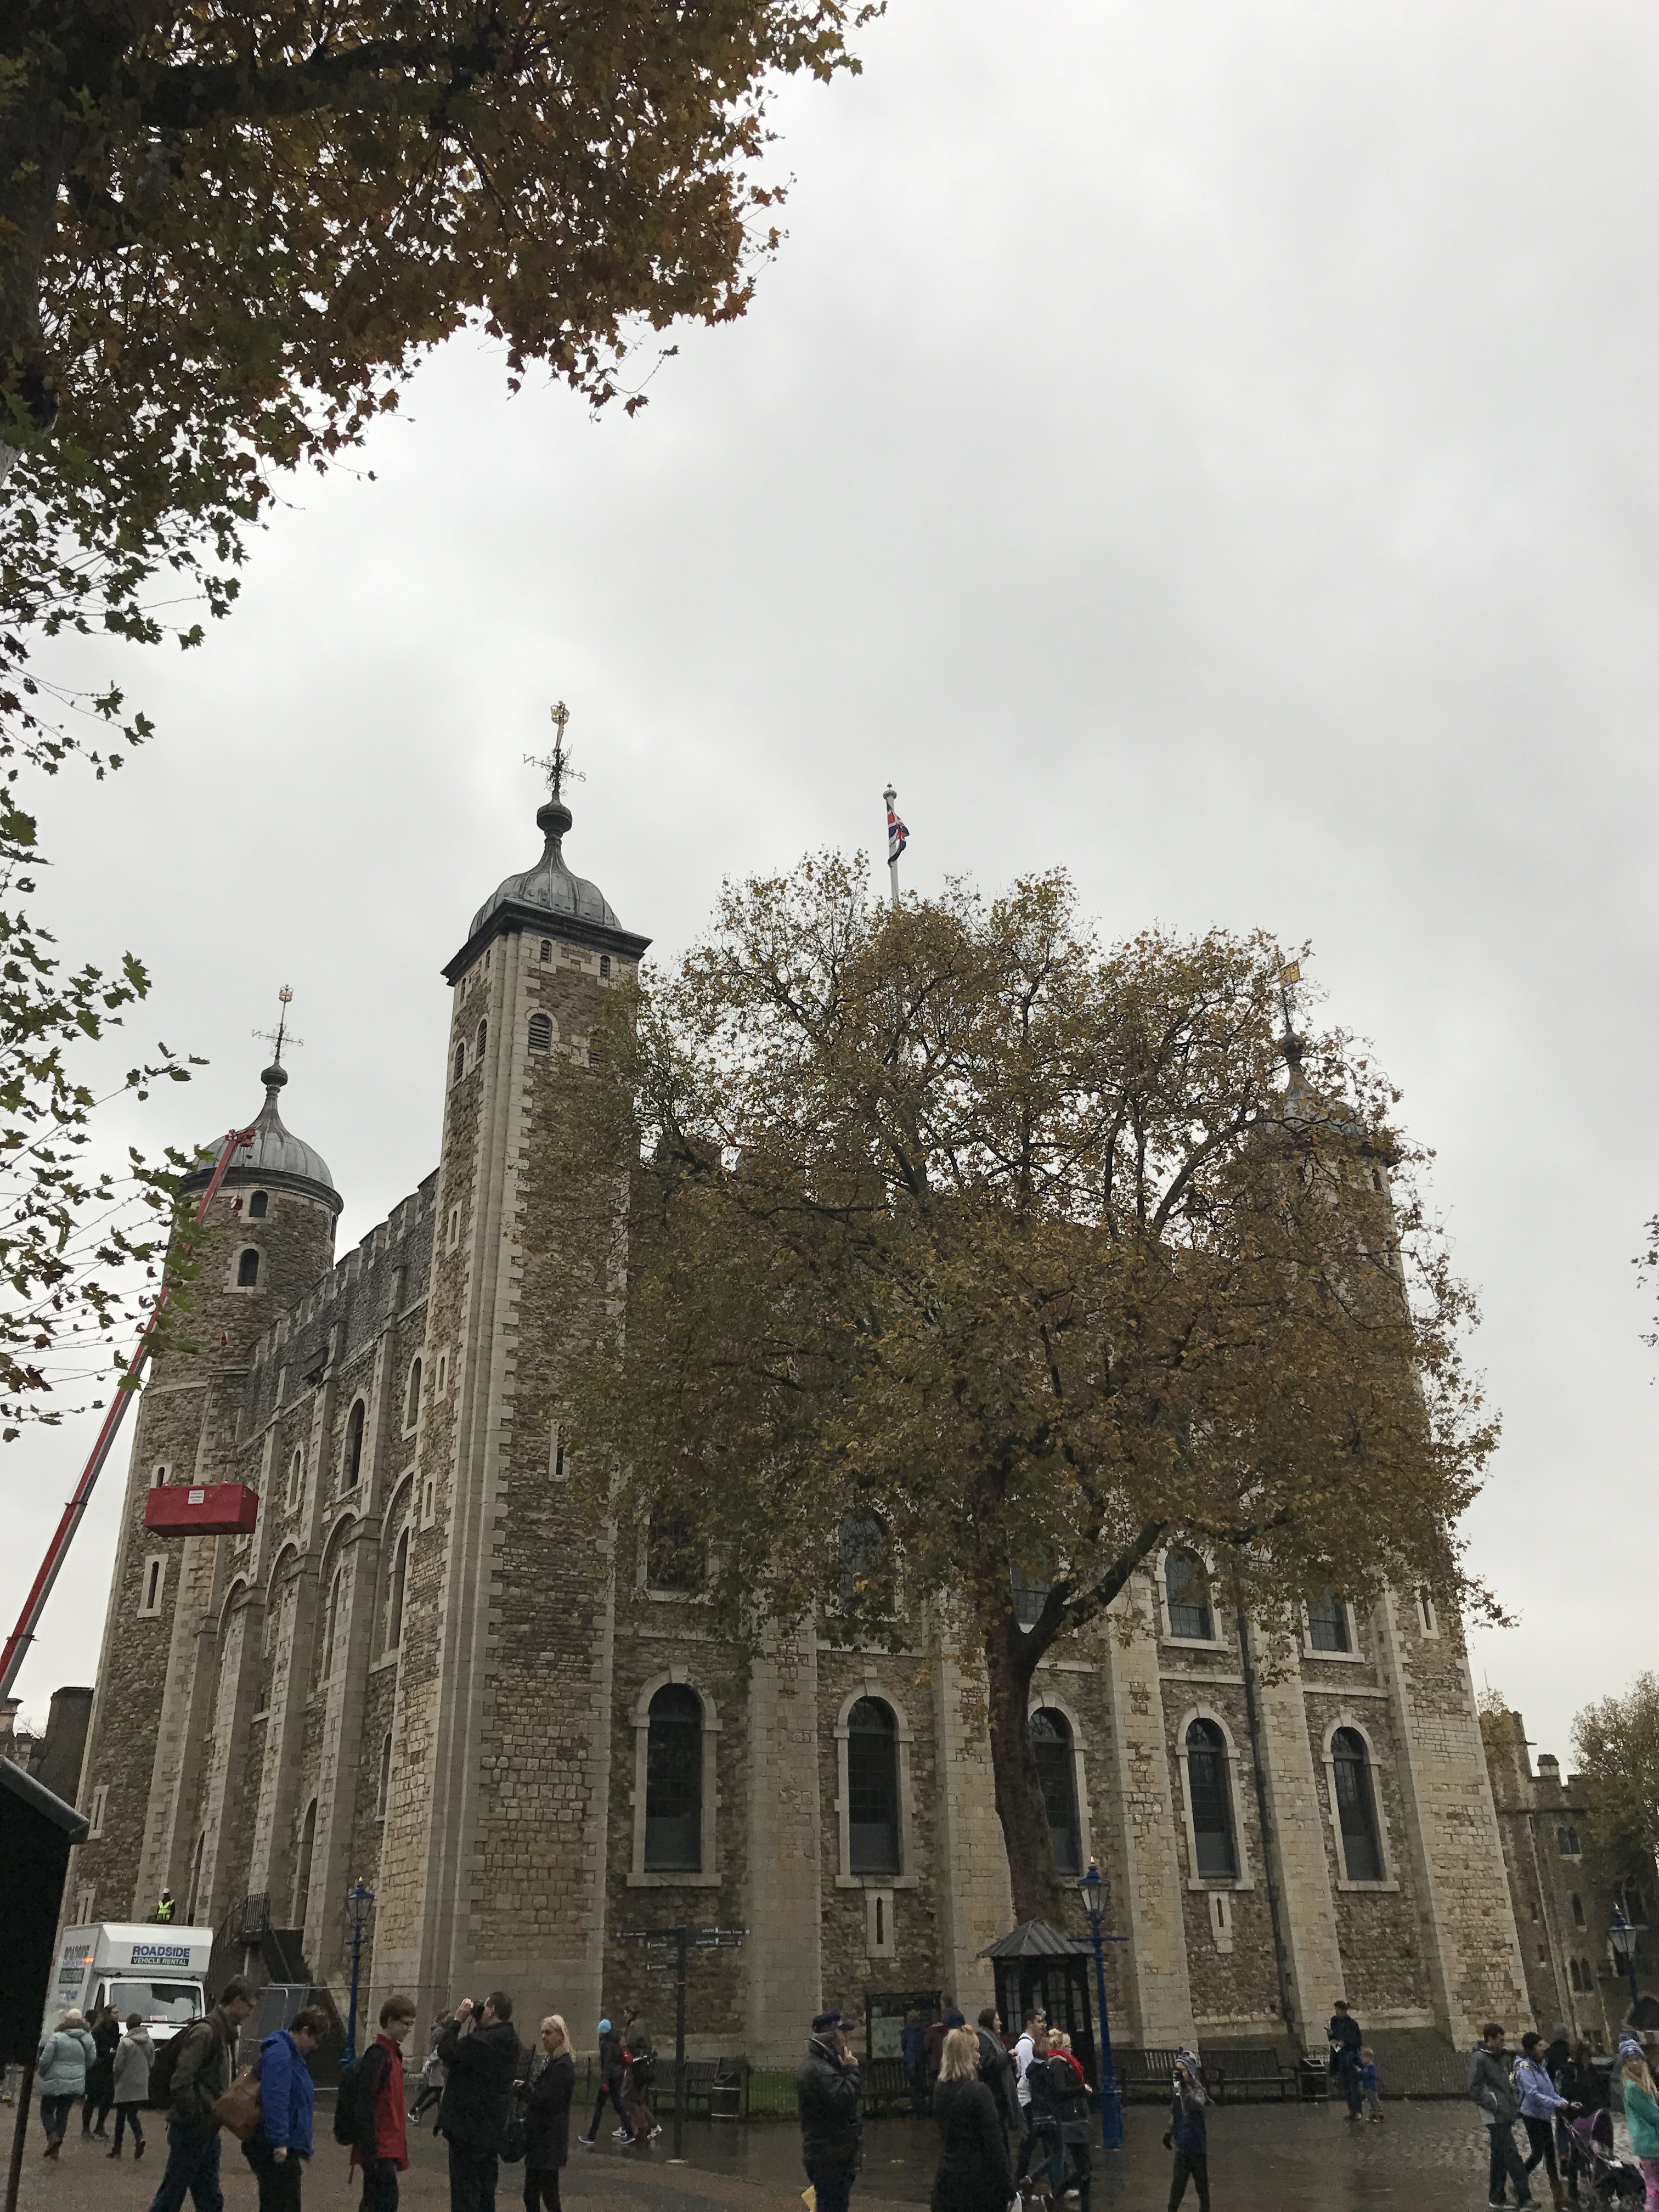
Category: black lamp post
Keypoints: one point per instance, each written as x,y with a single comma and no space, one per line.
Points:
1096,1893
1621,1937
358,1898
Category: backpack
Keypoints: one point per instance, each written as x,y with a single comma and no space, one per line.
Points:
353,2104
166,2059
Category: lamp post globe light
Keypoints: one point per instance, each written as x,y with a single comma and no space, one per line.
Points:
1096,1892
1621,1940
360,1899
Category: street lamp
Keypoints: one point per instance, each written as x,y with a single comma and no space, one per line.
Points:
1621,1938
1096,1893
359,1898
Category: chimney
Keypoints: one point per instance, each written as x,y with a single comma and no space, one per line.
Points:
62,1748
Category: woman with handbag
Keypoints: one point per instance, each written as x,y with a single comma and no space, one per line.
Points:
281,2141
549,2084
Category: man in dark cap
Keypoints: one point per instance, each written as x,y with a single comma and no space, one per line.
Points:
828,2093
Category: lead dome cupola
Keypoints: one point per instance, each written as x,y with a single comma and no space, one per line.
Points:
549,886
274,1156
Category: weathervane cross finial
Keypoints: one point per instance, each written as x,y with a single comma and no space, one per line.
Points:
279,1037
556,766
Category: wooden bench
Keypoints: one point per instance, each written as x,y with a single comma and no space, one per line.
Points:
885,2089
701,2075
1248,2068
1144,2074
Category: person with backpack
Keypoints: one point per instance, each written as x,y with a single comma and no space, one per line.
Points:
610,2081
66,2057
480,2054
279,2146
640,2055
134,2056
190,2076
369,2112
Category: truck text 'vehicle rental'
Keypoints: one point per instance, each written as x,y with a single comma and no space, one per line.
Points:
148,1968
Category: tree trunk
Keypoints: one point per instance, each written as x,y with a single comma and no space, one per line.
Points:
1010,1658
32,142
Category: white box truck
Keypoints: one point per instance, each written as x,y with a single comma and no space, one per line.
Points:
143,1967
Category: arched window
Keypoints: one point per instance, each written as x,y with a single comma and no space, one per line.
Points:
1356,1806
412,1395
258,1205
604,963
865,1571
547,948
483,1038
386,1778
1328,1624
1051,1746
872,1798
673,1557
1188,1589
296,1468
460,1061
247,1270
302,1872
541,1033
1566,1841
673,1782
353,1446
1210,1794
395,1589
1577,1910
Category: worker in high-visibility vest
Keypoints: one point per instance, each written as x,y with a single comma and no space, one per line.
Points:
164,1910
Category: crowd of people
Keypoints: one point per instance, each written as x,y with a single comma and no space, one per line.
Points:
1012,2111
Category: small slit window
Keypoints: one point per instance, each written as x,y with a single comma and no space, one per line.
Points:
152,1585
247,1270
604,963
385,1779
547,948
353,1446
1577,1910
258,1205
412,1396
394,1606
541,1033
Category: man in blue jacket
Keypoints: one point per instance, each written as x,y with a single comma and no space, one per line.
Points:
281,2143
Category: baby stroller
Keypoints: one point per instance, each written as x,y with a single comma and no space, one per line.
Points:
1610,2180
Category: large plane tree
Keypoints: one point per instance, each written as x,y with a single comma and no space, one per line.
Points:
969,1263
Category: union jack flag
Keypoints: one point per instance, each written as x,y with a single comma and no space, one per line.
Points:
898,835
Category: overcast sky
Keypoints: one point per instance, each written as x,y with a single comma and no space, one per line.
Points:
1211,447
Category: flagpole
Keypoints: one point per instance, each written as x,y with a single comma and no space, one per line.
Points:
890,795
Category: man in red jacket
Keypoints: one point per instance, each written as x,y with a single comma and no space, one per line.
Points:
382,2147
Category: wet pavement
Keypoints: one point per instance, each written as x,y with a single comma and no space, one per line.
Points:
1424,2157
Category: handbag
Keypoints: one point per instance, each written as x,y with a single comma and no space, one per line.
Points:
240,2111
514,2141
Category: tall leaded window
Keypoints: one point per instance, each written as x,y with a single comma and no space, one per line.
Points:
673,1558
873,1793
247,1270
258,1205
1187,1588
1328,1624
1051,1746
1356,1807
1210,1794
673,1782
865,1567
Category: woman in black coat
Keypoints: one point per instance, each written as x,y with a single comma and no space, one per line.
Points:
548,2087
974,2173
100,2074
